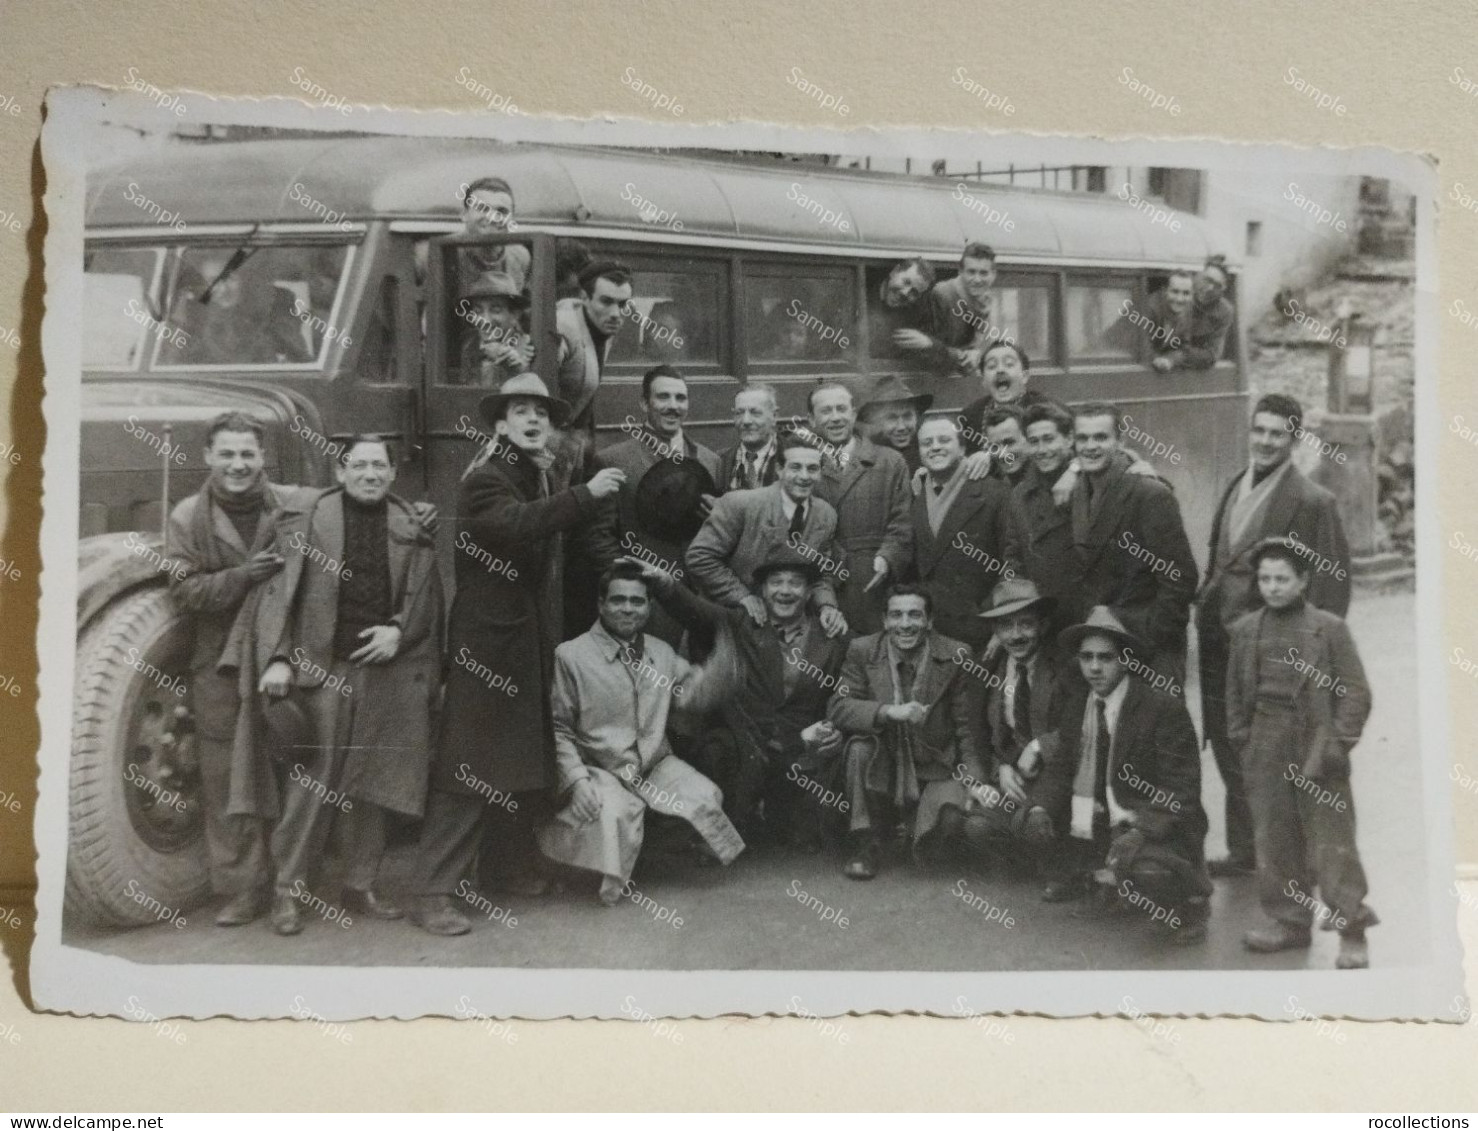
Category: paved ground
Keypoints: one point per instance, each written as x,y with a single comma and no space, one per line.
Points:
747,917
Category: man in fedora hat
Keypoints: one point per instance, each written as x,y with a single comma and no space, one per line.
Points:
868,486
660,505
1270,498
745,528
911,716
770,737
1121,782
892,412
494,759
959,533
352,629
495,347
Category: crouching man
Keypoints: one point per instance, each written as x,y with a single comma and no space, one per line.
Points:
910,718
1121,781
614,688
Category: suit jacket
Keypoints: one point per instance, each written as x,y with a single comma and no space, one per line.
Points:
1137,520
1039,541
1332,717
581,363
743,530
950,734
1049,686
768,474
1296,506
1155,743
871,494
948,564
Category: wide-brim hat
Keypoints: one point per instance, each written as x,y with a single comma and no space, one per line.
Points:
783,557
495,284
288,724
522,385
893,389
1015,595
669,497
1101,621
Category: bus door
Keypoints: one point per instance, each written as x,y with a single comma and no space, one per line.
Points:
489,313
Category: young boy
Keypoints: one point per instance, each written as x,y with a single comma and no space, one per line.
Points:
1296,703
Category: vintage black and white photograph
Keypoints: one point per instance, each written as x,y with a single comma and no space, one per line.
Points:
499,566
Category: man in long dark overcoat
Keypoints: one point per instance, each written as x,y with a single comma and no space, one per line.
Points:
494,760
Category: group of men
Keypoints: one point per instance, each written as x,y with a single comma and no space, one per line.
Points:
964,630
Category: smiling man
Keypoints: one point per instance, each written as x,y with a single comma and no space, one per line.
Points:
752,461
869,487
961,311
910,716
1271,498
1131,552
348,643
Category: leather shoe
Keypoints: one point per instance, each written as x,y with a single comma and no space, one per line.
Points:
287,916
247,907
1279,936
1353,953
1192,928
370,905
1224,867
438,915
864,862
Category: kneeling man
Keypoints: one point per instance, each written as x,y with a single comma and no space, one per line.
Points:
1122,783
910,717
613,690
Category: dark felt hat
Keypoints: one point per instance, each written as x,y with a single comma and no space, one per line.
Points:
668,498
522,385
893,389
783,557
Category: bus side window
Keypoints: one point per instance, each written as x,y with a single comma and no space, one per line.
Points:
790,317
672,319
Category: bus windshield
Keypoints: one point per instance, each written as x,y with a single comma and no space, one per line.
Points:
275,309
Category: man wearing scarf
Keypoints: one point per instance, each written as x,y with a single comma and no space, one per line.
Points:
225,550
1271,498
911,715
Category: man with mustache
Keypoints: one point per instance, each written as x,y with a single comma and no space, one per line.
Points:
911,719
658,439
494,760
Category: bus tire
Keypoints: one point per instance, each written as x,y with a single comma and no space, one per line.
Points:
115,864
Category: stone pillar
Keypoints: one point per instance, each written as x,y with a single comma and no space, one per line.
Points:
1341,457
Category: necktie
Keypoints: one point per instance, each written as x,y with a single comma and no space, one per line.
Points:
1101,740
906,672
1021,725
798,519
748,468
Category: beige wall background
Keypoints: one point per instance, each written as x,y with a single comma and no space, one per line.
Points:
1391,66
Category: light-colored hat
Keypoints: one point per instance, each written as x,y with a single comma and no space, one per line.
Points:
1101,621
1014,595
522,385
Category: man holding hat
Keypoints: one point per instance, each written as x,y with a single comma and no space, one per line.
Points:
769,738
660,505
496,347
494,761
1121,781
892,411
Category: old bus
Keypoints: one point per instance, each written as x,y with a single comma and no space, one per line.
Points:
326,271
